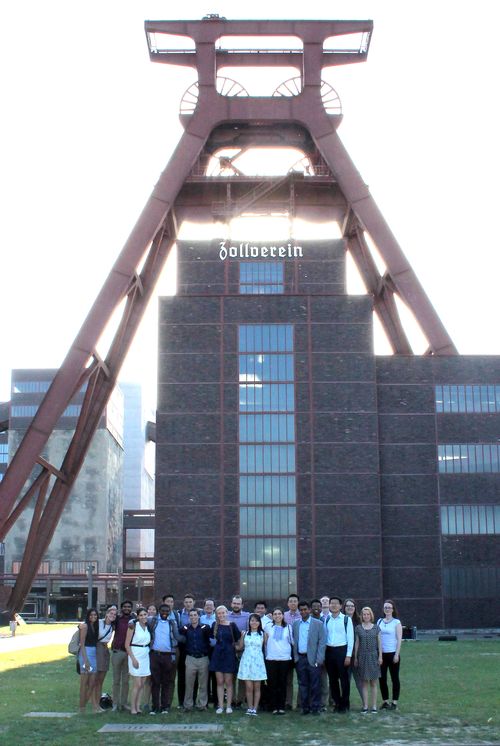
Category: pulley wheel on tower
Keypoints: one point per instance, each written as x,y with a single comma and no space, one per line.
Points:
329,96
225,87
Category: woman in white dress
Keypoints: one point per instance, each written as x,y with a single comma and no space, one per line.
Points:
252,669
137,647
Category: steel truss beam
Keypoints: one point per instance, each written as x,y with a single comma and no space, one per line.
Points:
295,121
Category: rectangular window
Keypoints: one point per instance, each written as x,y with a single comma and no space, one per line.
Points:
471,582
267,397
266,428
266,338
472,458
30,387
266,367
460,399
267,490
4,453
470,519
255,521
261,278
258,552
267,485
268,583
260,459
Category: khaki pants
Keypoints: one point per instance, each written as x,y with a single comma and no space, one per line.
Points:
196,667
119,662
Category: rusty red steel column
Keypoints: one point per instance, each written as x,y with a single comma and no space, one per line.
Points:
287,119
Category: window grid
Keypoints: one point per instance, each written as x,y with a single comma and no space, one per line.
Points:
470,519
30,410
469,458
471,582
267,489
268,583
264,428
467,399
269,366
261,278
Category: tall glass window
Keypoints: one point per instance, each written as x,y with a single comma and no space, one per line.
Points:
261,278
267,484
467,399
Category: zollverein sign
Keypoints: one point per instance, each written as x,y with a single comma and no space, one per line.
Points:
250,251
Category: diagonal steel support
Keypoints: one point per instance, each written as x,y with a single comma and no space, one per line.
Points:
102,380
379,287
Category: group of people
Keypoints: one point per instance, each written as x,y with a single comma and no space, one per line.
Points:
230,656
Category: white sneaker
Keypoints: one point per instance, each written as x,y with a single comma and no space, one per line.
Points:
219,711
229,710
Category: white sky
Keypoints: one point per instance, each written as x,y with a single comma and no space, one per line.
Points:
89,122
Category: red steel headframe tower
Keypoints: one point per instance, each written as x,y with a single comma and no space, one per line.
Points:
218,114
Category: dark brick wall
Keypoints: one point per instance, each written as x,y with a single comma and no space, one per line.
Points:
412,490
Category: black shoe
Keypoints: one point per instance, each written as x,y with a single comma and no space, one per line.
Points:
393,706
385,706
306,712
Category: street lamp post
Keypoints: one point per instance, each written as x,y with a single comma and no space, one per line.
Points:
90,570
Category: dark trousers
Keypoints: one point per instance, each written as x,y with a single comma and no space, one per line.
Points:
163,670
181,673
338,676
309,685
388,663
277,674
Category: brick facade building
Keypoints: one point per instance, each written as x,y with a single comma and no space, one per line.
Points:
291,458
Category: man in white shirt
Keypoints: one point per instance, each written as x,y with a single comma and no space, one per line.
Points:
339,645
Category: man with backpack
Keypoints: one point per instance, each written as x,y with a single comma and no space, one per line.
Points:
163,656
339,645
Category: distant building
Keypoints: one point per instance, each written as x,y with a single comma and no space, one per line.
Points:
138,479
90,530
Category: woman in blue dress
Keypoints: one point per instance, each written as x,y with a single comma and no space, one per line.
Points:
225,638
252,668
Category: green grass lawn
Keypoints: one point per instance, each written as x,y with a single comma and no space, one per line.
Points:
449,695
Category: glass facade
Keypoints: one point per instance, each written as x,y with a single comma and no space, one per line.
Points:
30,410
267,483
261,278
470,519
471,458
4,453
467,399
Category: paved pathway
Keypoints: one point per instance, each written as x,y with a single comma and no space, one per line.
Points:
37,639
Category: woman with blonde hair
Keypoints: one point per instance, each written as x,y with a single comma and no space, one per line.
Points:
106,630
368,657
391,635
225,638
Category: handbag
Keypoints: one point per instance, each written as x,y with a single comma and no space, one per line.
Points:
74,643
